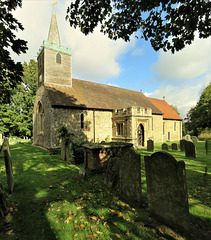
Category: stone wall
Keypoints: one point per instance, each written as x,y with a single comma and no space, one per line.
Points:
97,124
42,138
59,73
157,128
169,127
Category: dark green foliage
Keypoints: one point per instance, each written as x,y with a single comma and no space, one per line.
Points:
199,117
16,117
10,72
168,25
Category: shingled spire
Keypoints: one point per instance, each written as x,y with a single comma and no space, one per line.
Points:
53,35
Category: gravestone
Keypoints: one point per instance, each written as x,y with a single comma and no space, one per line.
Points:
8,164
190,149
208,146
194,139
182,145
174,146
165,146
124,175
167,189
187,137
150,146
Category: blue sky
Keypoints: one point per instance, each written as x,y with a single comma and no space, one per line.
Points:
180,77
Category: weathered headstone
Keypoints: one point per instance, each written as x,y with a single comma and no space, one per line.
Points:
150,146
167,189
182,145
190,149
174,146
124,175
165,146
208,146
8,164
187,137
194,139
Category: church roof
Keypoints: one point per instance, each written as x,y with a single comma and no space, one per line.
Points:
168,111
85,94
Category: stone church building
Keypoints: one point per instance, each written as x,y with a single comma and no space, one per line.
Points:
91,111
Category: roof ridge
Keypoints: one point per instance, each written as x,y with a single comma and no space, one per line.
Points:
107,85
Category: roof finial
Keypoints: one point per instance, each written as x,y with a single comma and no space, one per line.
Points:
53,35
164,98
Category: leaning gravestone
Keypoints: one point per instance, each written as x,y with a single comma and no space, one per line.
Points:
174,146
208,146
190,149
165,146
8,164
124,176
167,189
182,145
150,146
194,139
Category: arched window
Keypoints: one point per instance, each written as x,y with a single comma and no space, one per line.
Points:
58,58
40,115
82,121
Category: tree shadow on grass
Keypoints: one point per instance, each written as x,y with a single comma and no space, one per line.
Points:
54,202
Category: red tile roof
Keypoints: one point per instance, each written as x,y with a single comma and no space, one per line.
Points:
84,94
168,111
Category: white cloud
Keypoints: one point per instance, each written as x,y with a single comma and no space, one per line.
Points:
193,61
147,94
138,52
184,96
94,56
114,85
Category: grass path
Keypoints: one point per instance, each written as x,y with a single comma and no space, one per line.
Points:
51,201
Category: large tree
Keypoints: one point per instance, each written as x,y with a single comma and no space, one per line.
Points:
16,117
168,24
10,72
199,117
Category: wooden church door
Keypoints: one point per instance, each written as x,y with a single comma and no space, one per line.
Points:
141,135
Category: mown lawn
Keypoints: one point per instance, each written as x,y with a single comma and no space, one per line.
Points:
51,200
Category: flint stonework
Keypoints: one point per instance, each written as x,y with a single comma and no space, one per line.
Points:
182,145
150,146
167,189
174,146
165,146
190,149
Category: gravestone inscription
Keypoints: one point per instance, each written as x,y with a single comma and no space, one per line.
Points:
165,146
167,189
150,146
190,149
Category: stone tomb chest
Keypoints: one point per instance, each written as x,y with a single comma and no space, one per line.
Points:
96,156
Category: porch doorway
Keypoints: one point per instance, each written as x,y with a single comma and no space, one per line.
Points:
140,135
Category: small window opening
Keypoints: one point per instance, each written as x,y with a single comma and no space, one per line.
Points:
82,121
119,129
58,58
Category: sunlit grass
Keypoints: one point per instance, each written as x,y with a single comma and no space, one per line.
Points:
53,202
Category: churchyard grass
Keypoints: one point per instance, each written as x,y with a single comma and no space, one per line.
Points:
51,200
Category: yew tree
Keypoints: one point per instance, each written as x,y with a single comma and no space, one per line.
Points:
167,24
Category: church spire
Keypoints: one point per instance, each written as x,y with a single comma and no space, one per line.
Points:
53,35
